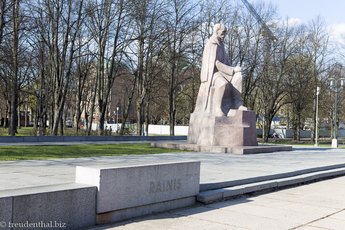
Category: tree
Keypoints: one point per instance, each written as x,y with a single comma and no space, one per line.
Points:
14,78
249,49
147,47
272,93
335,83
179,25
82,75
317,48
3,11
110,44
299,75
59,24
68,54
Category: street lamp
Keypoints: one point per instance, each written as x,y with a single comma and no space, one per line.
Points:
337,86
117,119
317,116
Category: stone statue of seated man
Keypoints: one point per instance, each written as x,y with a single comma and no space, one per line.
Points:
221,85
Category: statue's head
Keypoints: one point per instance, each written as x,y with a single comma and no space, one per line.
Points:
219,30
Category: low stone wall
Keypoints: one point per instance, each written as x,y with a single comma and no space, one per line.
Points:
68,206
88,138
127,192
101,195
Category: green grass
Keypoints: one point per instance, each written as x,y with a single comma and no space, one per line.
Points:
30,131
24,131
10,153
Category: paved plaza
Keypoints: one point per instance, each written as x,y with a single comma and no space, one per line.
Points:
316,206
215,167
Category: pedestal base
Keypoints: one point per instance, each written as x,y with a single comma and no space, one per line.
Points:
238,129
221,149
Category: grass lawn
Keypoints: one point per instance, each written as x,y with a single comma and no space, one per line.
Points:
9,153
30,131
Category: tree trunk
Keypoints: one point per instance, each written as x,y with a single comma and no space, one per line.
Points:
172,118
77,115
267,127
103,109
14,94
140,122
147,119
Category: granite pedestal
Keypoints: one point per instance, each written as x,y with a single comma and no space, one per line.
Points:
235,133
237,129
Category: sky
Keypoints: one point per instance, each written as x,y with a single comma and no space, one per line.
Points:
331,11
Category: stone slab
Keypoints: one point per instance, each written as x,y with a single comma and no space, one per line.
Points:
222,149
133,186
67,206
5,212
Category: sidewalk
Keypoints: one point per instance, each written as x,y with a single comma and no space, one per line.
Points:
315,206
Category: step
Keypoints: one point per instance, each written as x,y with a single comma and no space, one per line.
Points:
232,192
224,184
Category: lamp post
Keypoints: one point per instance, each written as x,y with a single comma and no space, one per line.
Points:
117,119
337,86
317,116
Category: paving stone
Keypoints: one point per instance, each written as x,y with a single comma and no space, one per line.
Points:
339,216
258,212
329,223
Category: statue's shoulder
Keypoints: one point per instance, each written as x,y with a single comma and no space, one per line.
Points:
210,45
212,42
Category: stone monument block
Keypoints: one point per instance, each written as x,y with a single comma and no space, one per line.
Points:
65,206
236,129
128,187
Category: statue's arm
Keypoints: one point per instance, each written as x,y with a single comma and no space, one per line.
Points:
228,70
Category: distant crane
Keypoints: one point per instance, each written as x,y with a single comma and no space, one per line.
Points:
269,39
267,32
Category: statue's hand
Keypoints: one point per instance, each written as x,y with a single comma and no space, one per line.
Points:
237,69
